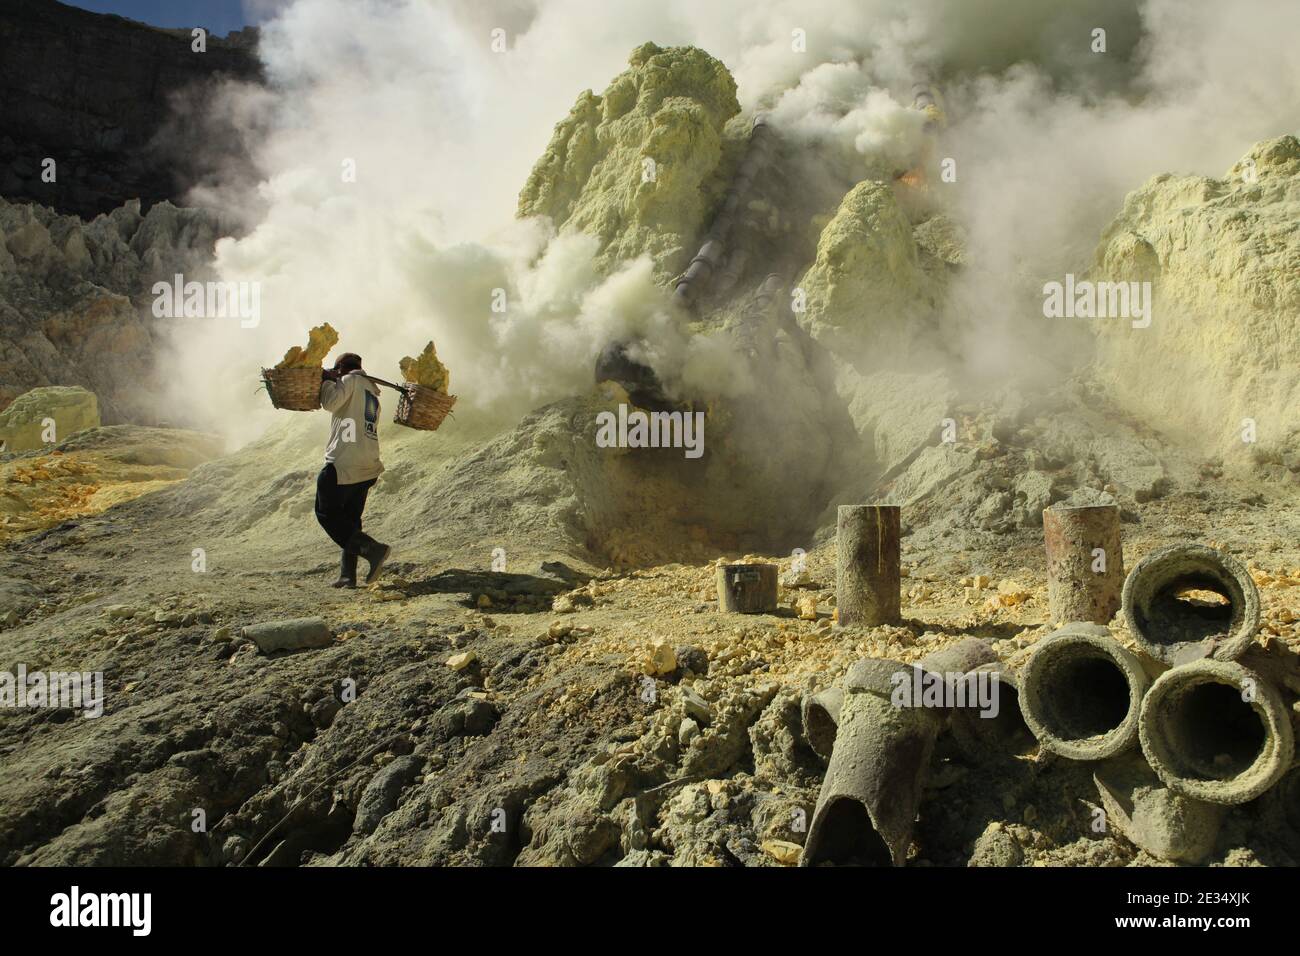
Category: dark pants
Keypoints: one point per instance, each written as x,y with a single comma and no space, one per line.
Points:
339,507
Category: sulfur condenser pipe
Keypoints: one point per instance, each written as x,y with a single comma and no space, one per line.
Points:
882,746
1216,731
1080,693
712,252
1188,601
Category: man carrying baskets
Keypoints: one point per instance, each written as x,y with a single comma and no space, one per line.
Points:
352,466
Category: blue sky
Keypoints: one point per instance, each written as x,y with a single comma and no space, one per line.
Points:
219,17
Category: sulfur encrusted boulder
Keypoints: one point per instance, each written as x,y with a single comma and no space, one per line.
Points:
1215,365
46,416
867,281
639,167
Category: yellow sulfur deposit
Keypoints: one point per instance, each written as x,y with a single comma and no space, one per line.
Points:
637,167
867,264
426,370
109,466
1221,258
319,341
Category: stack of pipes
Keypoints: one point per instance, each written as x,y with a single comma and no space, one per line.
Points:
1196,719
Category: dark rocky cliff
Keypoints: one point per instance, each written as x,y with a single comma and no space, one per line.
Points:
95,93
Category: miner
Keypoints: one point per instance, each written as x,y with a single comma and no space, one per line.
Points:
352,466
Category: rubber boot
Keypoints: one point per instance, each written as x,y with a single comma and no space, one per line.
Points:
347,570
376,554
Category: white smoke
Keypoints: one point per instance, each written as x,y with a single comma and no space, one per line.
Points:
442,131
839,105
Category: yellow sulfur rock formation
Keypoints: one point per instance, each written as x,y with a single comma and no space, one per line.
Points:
640,166
319,341
1218,357
46,416
426,370
868,279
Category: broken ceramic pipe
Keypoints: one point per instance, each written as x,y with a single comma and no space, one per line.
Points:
1002,734
1281,811
881,755
869,797
1080,693
292,635
820,711
1174,625
1167,824
1216,731
821,718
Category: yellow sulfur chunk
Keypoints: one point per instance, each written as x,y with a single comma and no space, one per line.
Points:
426,370
319,341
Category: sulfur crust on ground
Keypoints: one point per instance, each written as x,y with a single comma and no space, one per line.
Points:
100,468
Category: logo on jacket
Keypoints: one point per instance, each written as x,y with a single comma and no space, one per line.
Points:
372,415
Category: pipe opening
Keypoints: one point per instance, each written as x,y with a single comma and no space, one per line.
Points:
847,837
1084,695
820,729
1215,734
1189,608
1202,601
1008,731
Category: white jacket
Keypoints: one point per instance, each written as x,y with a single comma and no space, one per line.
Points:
354,430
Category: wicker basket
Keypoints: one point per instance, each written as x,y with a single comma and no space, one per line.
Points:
422,407
297,389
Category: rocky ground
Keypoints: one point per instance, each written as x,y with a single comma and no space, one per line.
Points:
553,713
